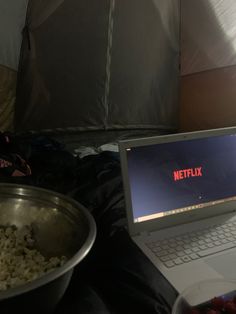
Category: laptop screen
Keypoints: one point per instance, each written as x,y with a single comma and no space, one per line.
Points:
170,178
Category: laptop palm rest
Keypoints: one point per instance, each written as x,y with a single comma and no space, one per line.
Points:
224,264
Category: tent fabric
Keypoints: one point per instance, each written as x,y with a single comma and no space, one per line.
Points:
40,10
7,98
68,74
201,109
145,64
208,64
100,65
213,44
12,21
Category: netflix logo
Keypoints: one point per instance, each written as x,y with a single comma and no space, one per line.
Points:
187,173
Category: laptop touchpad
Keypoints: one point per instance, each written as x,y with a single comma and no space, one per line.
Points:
224,264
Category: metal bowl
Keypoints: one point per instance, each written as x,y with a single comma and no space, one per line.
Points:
61,226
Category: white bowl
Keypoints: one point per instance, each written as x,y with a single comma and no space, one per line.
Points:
200,295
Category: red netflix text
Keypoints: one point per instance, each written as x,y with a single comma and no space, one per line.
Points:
187,173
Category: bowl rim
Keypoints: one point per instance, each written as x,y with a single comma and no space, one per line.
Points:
189,288
71,263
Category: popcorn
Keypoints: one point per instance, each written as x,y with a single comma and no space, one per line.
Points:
20,262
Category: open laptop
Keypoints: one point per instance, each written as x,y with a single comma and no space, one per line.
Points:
180,193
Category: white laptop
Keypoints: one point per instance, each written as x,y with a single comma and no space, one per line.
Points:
180,193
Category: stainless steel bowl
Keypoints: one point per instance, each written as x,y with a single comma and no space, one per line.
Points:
61,226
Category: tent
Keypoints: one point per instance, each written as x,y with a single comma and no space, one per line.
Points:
92,66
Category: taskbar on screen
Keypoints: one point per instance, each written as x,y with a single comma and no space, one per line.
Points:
181,210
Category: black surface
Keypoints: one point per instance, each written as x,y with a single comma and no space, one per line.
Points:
117,278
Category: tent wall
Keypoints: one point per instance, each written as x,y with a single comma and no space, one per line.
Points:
144,65
12,21
104,64
7,98
208,64
114,64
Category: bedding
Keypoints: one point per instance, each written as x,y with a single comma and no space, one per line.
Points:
115,277
116,268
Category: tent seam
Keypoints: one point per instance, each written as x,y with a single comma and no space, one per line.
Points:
108,61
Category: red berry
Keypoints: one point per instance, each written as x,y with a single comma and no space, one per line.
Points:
217,303
213,311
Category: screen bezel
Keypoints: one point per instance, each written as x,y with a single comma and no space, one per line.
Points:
183,217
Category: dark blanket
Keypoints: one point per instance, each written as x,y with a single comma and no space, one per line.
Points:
116,269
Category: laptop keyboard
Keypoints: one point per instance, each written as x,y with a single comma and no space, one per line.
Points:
197,244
